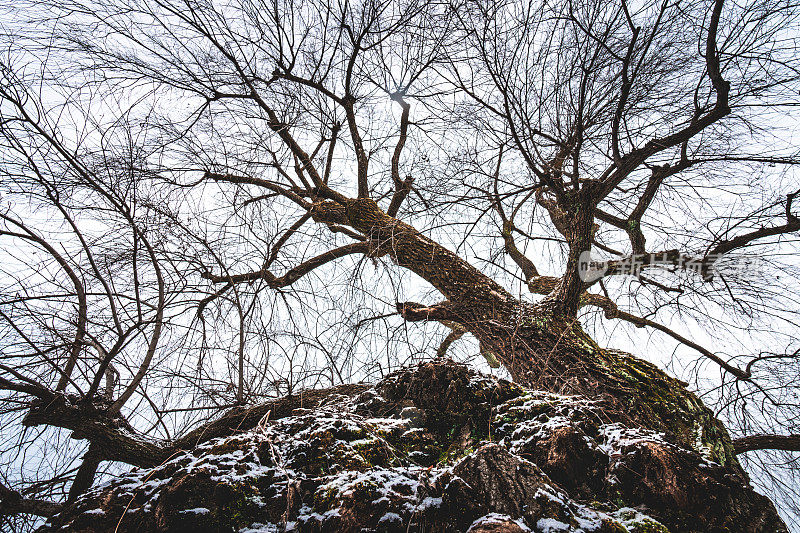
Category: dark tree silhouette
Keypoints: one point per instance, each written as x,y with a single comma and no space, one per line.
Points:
204,206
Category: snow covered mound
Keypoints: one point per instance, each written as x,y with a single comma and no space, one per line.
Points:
433,448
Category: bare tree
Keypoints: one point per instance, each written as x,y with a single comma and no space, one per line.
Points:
208,205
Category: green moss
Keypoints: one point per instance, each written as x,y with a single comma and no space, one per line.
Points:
225,447
236,506
419,447
612,526
669,406
537,321
491,359
647,526
327,498
634,522
644,392
515,414
453,454
374,452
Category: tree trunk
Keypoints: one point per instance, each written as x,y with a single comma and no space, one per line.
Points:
542,346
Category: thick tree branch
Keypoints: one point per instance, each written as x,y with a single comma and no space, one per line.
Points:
112,438
743,240
116,439
362,161
527,267
317,86
276,248
12,503
632,225
85,475
456,333
790,443
457,280
625,90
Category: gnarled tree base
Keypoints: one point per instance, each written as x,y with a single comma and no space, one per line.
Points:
441,448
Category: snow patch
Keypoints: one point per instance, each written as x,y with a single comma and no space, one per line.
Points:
496,518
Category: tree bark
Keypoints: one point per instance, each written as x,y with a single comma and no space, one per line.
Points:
12,502
435,448
114,438
85,475
790,443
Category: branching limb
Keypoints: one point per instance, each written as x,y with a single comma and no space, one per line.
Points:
295,273
458,331
77,283
276,248
331,147
792,224
152,343
612,311
12,502
247,79
626,164
401,186
640,260
249,180
28,386
112,434
296,195
627,82
94,421
544,285
789,443
526,265
362,160
633,224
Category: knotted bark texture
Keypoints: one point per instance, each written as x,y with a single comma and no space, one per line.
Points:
435,448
